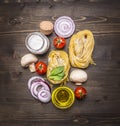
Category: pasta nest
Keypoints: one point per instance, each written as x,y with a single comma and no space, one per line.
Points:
80,49
56,59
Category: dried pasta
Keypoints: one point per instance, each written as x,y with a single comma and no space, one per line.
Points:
56,59
80,49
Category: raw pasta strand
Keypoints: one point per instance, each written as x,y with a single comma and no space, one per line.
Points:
80,49
56,59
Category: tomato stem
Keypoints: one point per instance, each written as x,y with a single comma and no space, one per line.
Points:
58,41
40,67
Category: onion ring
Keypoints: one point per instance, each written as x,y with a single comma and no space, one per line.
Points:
36,85
44,96
34,79
64,26
37,88
32,91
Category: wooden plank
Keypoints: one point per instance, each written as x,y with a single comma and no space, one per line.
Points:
101,106
25,20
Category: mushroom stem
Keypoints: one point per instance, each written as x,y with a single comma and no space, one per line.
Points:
32,67
78,83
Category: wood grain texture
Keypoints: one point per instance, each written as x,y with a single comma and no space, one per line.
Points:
102,104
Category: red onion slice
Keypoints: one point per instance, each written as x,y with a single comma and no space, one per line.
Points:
34,79
46,86
37,88
40,86
44,96
36,84
32,91
64,26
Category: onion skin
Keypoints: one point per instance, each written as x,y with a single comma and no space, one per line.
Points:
78,76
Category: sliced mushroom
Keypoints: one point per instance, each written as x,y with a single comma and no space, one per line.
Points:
29,60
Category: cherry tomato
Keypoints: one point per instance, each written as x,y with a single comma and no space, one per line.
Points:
59,42
80,92
41,68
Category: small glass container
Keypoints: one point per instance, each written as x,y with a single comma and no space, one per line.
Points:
63,97
37,43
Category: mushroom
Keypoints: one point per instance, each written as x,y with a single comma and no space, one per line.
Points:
29,60
78,76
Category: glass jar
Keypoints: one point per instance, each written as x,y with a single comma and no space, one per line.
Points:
37,43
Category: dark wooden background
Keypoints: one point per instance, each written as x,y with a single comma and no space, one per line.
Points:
102,104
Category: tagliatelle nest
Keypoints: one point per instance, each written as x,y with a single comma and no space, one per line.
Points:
56,59
80,49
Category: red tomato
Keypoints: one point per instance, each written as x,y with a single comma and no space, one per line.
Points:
59,42
80,92
41,68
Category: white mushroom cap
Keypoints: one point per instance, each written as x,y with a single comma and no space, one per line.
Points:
28,59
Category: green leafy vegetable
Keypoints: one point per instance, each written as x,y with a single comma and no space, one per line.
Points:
57,70
57,73
61,74
56,78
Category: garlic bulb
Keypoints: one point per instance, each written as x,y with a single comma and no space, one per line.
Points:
78,76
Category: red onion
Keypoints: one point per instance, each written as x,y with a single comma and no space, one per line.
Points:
34,79
64,26
38,88
46,86
44,96
32,91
